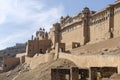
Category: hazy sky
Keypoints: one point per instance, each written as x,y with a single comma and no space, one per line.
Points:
19,19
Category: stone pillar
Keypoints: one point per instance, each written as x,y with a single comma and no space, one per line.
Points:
86,27
57,51
22,59
74,73
118,69
89,73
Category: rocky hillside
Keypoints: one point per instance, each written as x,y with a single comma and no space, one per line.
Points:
12,73
12,51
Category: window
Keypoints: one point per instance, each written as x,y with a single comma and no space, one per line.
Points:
5,65
41,50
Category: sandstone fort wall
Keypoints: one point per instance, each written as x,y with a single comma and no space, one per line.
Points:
117,20
10,62
87,27
72,34
87,61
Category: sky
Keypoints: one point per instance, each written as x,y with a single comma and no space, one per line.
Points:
19,19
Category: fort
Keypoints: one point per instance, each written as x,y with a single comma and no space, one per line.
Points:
89,39
87,27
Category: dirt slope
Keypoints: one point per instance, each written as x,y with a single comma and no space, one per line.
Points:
115,77
43,71
95,48
12,73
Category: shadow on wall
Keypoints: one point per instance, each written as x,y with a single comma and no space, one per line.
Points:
10,63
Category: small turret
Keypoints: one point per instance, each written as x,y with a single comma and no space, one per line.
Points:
67,16
40,29
46,35
41,34
43,29
62,19
32,37
86,11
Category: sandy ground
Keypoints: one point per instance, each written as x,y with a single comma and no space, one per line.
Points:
43,71
10,74
94,49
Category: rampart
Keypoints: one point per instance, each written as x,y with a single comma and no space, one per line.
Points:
87,61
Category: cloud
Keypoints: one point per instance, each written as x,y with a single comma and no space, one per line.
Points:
25,16
5,41
19,10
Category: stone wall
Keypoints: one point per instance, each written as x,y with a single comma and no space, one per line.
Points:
10,62
117,20
99,28
35,61
72,34
76,73
87,61
88,27
37,46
